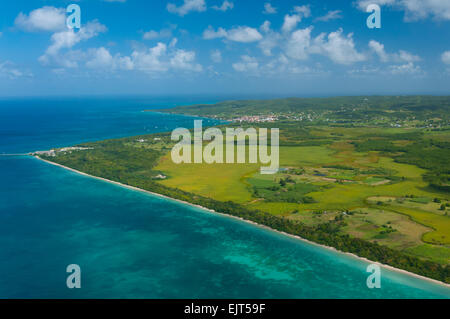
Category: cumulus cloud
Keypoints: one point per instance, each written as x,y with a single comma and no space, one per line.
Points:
336,46
185,60
378,48
299,44
151,60
187,7
407,68
269,9
9,70
226,5
303,11
339,48
247,64
154,61
216,56
414,9
270,39
244,34
280,65
446,57
331,15
68,39
101,58
47,18
210,33
241,34
399,57
401,62
163,33
291,21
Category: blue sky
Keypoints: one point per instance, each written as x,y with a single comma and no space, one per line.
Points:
241,47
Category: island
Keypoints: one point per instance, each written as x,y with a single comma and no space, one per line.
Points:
366,175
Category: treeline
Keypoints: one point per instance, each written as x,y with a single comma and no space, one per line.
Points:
427,154
357,104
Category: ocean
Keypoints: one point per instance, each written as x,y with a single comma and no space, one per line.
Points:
129,244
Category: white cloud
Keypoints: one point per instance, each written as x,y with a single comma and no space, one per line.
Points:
405,60
269,9
399,57
47,18
363,4
101,58
163,33
187,7
298,46
407,68
185,60
241,34
265,27
210,33
303,11
244,34
404,56
446,57
278,66
270,40
173,43
331,15
247,64
150,60
7,69
339,48
226,5
68,39
415,9
216,56
161,59
378,48
290,22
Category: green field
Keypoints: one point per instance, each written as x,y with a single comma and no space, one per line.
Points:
325,181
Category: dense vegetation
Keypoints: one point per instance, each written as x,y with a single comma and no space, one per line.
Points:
374,103
384,110
428,154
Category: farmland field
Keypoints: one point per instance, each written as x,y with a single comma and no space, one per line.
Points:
377,198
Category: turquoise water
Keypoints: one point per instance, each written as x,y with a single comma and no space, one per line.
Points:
133,245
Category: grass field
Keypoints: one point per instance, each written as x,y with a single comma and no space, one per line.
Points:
325,181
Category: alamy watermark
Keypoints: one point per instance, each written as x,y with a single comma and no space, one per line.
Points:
374,280
374,20
73,20
231,149
74,279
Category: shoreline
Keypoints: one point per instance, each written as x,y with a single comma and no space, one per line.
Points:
402,271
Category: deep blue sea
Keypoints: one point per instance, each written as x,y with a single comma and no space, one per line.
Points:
133,245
